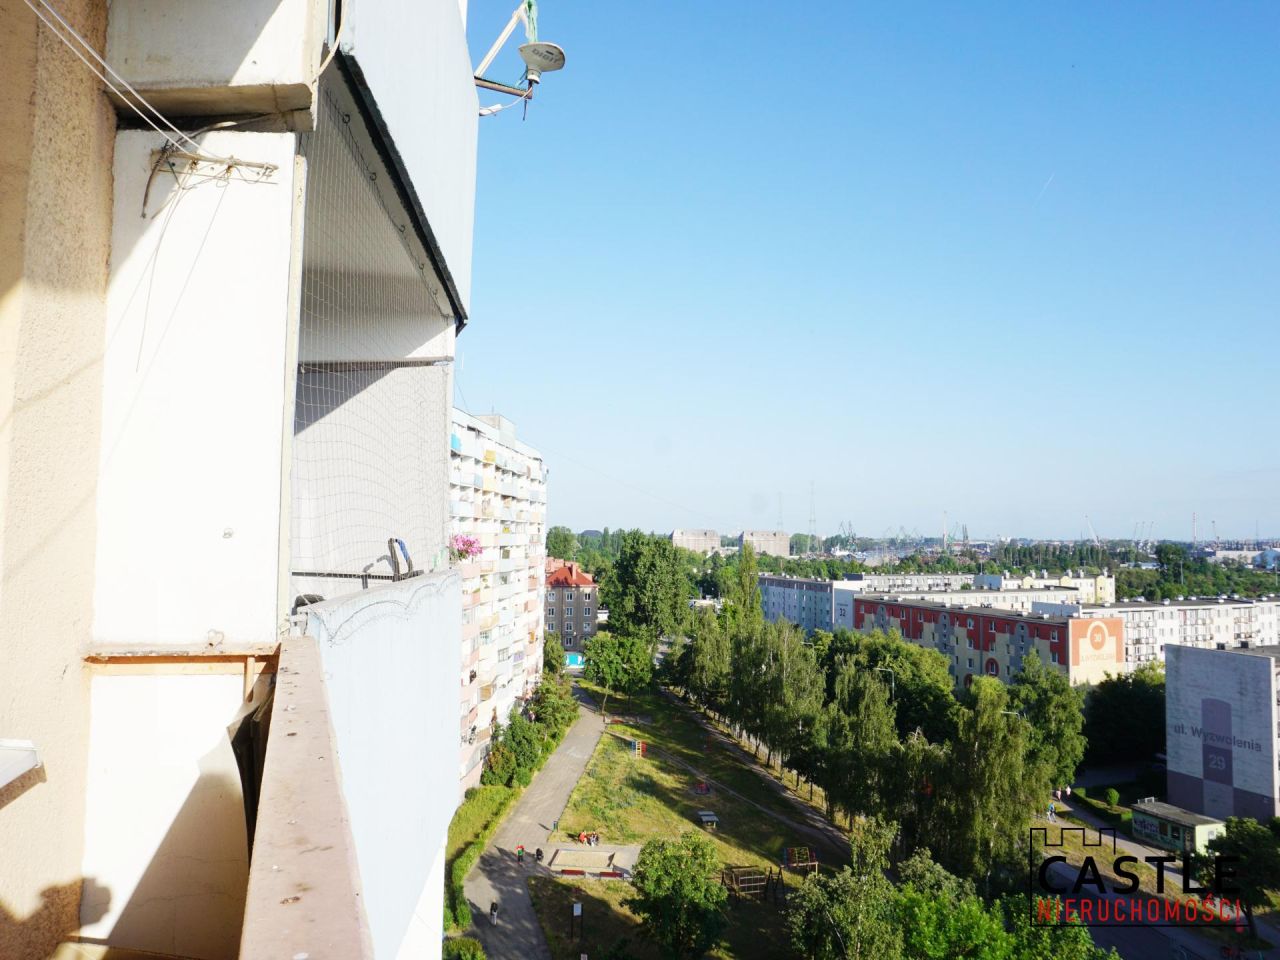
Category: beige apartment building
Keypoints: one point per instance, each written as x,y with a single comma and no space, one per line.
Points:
498,495
572,605
776,543
699,541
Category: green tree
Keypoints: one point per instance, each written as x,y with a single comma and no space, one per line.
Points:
747,677
1172,559
741,593
619,662
1132,703
989,791
1054,711
552,654
939,928
561,543
1040,941
944,918
848,915
919,773
709,656
921,680
678,896
792,690
553,706
647,588
1256,847
861,737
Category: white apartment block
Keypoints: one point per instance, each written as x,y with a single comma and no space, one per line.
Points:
816,604
699,541
1210,623
1092,589
894,582
803,601
498,494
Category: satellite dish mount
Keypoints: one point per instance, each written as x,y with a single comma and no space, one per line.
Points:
539,58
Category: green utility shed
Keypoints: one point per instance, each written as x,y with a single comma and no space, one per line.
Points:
1164,825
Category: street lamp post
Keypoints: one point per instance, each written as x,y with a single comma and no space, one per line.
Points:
892,681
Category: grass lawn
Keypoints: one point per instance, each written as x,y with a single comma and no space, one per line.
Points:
473,816
629,800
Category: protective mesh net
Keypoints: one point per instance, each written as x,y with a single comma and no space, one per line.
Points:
370,452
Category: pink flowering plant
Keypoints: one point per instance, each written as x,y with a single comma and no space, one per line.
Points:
462,547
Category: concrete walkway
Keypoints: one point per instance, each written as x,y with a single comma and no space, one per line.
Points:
497,876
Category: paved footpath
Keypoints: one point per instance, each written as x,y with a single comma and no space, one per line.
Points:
498,877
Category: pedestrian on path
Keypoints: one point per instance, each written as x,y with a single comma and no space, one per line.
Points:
1053,811
520,854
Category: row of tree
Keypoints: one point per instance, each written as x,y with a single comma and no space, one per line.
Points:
530,735
930,913
1177,574
872,720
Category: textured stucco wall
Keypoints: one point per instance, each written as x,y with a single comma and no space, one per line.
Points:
56,135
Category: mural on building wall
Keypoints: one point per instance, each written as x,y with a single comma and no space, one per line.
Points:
1097,648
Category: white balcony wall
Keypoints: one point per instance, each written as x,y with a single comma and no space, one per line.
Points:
392,657
414,57
194,397
264,60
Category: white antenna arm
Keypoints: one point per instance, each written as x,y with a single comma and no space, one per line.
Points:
503,37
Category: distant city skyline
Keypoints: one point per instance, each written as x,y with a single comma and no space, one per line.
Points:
1012,263
954,535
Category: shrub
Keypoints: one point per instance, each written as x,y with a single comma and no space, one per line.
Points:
1113,797
462,948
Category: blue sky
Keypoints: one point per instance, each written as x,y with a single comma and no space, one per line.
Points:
1007,262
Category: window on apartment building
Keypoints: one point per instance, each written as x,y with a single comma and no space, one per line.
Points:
568,612
568,594
1053,634
971,663
1053,658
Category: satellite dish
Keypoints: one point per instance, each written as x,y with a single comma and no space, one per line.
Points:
540,58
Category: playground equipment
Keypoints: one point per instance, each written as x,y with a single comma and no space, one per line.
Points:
800,860
752,883
639,748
